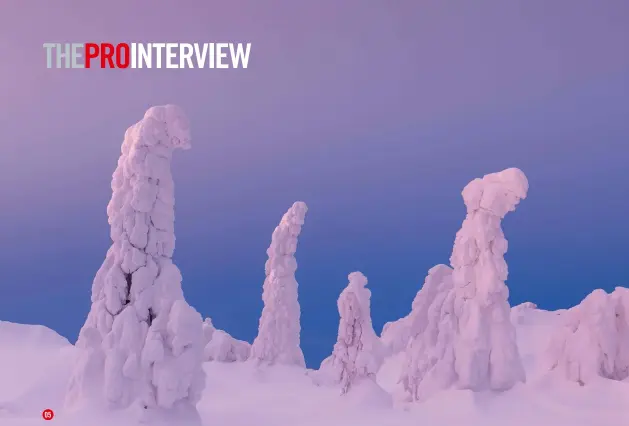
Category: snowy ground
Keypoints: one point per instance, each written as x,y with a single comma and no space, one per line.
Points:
35,364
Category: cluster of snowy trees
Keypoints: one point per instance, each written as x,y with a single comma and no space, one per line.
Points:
142,343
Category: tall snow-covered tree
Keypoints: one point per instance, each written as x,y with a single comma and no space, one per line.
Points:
593,341
142,343
469,341
279,329
357,354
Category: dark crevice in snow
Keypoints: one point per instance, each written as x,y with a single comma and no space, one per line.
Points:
128,279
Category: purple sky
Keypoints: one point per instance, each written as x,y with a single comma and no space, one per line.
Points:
375,113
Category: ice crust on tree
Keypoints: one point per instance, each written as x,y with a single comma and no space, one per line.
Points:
358,352
278,340
593,340
470,342
142,344
221,347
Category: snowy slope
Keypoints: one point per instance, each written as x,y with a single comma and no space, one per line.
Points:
35,364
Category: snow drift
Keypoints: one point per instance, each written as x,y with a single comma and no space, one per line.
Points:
278,339
142,344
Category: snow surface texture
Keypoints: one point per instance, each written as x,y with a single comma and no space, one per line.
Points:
464,338
221,347
142,344
278,334
35,367
358,353
593,342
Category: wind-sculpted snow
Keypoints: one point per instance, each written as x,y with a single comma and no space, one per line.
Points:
142,343
278,339
469,341
358,352
221,347
593,340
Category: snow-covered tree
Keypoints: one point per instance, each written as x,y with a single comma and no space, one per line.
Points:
593,340
471,340
279,329
142,343
358,352
396,335
221,347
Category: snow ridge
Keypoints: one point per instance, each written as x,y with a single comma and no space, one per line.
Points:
142,343
278,340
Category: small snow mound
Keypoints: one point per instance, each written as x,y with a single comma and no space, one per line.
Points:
13,334
224,348
368,394
520,311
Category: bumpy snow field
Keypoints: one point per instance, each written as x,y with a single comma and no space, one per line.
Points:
36,363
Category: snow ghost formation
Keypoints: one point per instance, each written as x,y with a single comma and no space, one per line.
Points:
357,354
594,339
221,347
469,341
397,335
428,355
142,343
279,330
486,353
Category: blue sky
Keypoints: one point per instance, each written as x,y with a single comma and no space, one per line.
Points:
375,115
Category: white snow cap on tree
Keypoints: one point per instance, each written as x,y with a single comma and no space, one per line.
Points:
469,328
357,354
279,330
594,339
221,347
142,343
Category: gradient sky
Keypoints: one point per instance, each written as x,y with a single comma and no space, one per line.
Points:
374,113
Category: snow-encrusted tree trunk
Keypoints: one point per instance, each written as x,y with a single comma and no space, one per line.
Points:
279,330
486,353
470,342
142,343
593,341
357,354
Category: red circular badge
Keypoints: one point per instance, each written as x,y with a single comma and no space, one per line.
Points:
48,414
